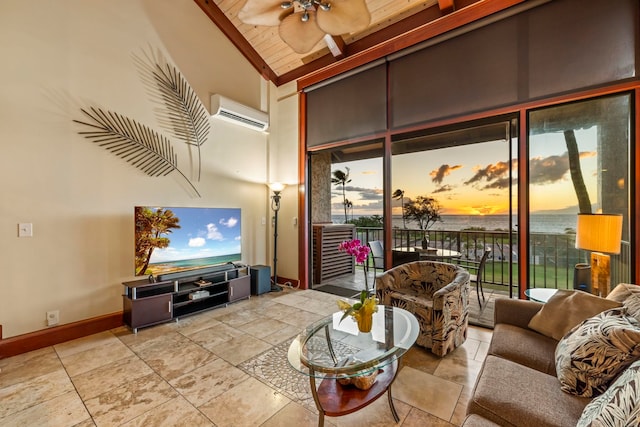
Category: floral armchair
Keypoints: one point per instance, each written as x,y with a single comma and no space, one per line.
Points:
437,294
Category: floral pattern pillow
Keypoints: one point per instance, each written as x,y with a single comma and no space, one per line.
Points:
619,406
593,353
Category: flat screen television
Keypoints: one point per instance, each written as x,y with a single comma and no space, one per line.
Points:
173,239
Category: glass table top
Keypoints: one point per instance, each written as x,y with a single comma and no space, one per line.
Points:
330,348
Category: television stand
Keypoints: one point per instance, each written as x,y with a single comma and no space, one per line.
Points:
180,294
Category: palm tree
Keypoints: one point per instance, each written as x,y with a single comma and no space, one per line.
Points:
349,205
342,178
399,195
573,153
150,226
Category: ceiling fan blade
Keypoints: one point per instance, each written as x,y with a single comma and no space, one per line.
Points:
345,16
300,36
263,12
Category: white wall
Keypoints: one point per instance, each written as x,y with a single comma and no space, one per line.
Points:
63,55
283,167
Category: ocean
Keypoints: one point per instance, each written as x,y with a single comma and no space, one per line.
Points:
539,223
188,264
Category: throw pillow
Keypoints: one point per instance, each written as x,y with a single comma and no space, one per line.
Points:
629,296
566,309
619,406
592,354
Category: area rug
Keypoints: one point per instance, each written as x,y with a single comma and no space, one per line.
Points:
272,368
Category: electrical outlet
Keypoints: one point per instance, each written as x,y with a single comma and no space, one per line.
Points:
25,229
53,317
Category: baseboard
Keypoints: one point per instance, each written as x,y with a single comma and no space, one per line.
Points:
58,334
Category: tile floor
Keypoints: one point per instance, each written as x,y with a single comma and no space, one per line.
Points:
195,373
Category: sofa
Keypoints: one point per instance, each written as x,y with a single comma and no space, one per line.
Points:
574,361
437,294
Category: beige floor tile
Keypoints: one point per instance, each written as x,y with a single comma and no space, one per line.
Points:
418,418
421,359
26,367
64,410
483,350
20,396
467,350
426,392
376,414
77,363
86,423
175,412
190,325
282,312
295,415
208,381
262,327
85,343
283,334
110,376
131,339
480,334
172,358
459,414
233,409
130,400
215,336
240,348
459,370
237,318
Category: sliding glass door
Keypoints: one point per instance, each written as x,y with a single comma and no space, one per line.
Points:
579,162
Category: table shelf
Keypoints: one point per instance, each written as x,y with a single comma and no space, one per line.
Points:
337,400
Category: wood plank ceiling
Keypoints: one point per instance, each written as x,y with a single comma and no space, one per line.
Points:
395,24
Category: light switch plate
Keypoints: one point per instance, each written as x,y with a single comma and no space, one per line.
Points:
25,229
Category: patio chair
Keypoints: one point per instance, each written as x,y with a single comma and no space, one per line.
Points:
476,272
377,254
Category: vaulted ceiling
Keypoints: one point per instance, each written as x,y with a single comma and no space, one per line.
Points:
395,24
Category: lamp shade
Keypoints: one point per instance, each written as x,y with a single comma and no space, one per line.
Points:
276,186
599,233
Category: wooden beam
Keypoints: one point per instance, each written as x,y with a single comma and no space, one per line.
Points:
446,6
224,24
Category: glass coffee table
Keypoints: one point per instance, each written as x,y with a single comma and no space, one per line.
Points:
329,350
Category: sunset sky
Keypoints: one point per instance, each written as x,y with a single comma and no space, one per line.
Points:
474,179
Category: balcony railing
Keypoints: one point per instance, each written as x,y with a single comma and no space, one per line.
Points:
553,256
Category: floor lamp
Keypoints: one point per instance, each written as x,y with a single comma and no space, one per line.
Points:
277,188
601,234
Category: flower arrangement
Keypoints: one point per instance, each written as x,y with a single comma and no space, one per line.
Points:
362,311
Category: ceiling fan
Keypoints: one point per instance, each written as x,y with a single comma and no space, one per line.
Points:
303,23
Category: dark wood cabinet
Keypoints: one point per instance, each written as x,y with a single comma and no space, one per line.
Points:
148,303
239,288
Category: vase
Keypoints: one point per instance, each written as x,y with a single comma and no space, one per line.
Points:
365,321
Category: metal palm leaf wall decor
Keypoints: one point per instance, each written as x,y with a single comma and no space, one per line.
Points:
184,115
138,144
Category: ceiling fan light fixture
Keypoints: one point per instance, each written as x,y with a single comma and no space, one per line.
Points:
300,25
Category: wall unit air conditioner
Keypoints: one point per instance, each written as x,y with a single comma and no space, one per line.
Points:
234,112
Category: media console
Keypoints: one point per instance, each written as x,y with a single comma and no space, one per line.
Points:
179,294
